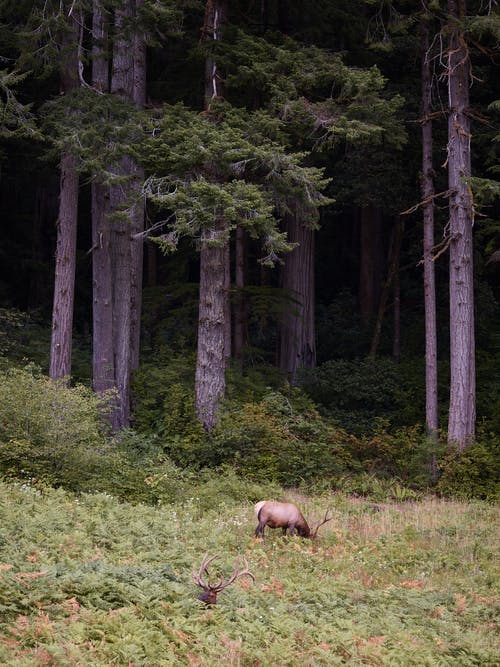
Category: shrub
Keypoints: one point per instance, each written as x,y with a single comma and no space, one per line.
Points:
281,438
405,453
355,393
153,386
47,429
474,472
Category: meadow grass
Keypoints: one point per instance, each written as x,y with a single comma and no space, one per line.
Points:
93,581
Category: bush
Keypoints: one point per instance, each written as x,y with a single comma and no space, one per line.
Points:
48,430
280,439
356,393
474,472
405,453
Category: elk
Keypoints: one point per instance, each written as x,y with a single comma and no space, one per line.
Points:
210,591
286,516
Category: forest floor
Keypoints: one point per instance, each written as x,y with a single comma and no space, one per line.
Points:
90,581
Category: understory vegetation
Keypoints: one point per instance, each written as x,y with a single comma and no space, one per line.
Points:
99,533
89,580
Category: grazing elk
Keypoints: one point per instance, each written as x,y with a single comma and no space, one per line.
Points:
210,591
286,516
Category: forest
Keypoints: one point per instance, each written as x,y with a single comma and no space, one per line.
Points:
250,252
258,222
256,202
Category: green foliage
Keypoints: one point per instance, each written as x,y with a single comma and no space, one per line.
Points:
355,393
93,581
280,438
47,430
97,128
18,334
405,454
474,472
205,169
159,387
16,119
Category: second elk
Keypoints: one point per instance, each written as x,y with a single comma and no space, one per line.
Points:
210,591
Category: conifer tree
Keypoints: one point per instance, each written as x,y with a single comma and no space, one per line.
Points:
64,284
462,410
427,189
213,173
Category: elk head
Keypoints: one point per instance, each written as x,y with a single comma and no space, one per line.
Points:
210,591
314,531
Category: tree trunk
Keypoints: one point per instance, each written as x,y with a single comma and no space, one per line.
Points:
427,189
122,85
214,325
462,411
396,309
137,216
102,279
392,270
64,284
297,335
371,261
210,361
240,309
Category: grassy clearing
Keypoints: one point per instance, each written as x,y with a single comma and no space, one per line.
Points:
92,581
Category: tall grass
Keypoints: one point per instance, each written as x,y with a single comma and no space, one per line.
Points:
91,581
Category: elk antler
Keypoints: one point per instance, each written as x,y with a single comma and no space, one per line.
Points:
325,520
210,591
203,568
237,573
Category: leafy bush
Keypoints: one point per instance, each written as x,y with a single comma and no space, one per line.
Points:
356,393
405,453
48,430
281,438
55,435
474,472
159,386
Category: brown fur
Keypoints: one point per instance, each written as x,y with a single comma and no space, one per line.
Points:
286,516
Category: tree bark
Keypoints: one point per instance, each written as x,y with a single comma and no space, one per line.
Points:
427,189
371,261
392,271
214,323
122,85
462,410
297,334
240,308
210,362
102,279
61,342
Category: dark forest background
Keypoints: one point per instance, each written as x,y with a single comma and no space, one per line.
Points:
357,409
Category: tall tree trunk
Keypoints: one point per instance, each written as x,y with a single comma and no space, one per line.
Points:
370,261
427,188
137,217
122,83
210,362
462,411
227,301
102,279
64,284
396,309
240,309
392,271
297,334
214,329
